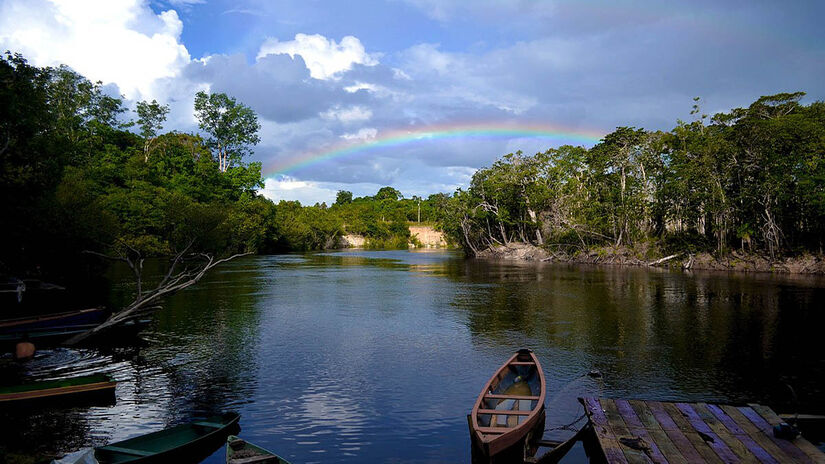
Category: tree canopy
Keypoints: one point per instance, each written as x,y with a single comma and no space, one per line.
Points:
751,178
232,127
75,178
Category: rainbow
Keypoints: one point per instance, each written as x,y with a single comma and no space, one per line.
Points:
393,138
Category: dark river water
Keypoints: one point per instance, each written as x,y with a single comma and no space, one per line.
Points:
377,356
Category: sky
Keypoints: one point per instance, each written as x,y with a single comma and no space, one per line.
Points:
418,94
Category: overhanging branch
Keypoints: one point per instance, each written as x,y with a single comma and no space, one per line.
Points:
170,284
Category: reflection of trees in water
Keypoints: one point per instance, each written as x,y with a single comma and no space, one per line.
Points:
653,333
741,333
209,339
200,358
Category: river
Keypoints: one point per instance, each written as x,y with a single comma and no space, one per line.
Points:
377,356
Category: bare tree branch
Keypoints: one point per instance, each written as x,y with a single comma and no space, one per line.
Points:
170,284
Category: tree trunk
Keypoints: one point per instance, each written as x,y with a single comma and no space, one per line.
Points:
532,215
503,233
465,231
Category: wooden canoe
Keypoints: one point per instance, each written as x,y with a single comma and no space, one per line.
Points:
510,406
58,334
190,442
240,451
98,383
47,321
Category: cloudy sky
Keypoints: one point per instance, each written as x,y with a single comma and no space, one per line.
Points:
418,94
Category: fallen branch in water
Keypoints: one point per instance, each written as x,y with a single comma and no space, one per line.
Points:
665,259
196,266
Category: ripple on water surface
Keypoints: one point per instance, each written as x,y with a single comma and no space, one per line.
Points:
366,356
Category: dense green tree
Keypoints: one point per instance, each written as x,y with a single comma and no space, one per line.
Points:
232,127
343,197
151,116
388,193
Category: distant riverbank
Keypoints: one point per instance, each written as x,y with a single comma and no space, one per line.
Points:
623,256
420,236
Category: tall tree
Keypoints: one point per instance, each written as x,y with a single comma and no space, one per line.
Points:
343,197
151,116
232,127
388,193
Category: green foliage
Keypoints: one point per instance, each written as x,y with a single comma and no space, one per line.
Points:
151,116
232,127
80,182
73,180
388,193
751,176
343,197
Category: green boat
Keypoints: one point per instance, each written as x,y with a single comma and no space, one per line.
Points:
75,386
240,451
190,442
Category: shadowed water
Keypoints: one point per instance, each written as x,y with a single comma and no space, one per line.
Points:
369,356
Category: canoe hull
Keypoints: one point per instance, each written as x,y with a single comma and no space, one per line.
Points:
264,456
57,335
512,448
184,443
505,421
49,321
50,390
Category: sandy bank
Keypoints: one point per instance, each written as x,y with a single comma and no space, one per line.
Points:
736,261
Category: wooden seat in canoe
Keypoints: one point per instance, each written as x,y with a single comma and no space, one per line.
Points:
213,425
134,452
492,396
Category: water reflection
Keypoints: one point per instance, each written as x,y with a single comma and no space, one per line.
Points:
370,356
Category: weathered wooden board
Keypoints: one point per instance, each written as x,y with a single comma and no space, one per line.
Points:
651,431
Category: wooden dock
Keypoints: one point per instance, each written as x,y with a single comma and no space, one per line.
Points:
632,431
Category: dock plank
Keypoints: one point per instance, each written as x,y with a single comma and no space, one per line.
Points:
679,450
622,431
610,446
716,442
680,433
767,429
740,443
701,445
634,424
675,433
758,444
753,431
773,419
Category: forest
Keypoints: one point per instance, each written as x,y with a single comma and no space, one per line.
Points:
751,180
84,177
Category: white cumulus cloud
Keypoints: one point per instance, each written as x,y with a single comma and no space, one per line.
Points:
367,133
114,41
348,114
308,193
324,57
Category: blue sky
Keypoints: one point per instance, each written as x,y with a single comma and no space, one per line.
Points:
325,74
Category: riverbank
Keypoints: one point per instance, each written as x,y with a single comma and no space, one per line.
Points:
624,256
420,237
